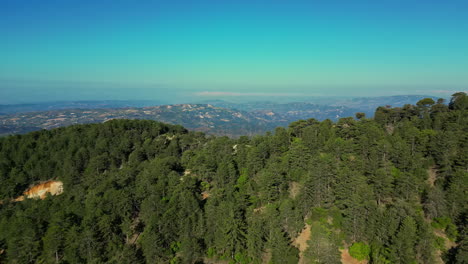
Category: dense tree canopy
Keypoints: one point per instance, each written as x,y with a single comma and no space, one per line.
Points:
392,189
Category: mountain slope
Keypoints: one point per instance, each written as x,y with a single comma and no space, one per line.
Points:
139,191
50,106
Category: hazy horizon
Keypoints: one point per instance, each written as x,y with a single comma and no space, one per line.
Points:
169,96
40,91
178,50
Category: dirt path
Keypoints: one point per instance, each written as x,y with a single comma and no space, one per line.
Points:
448,244
347,259
294,189
266,257
432,171
301,243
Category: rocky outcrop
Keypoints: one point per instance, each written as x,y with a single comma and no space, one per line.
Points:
40,191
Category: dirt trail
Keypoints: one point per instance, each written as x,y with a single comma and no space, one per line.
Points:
266,257
301,243
432,171
294,189
448,243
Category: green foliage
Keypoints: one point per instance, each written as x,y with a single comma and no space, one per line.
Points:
445,223
240,259
405,241
425,102
360,115
359,251
440,243
211,252
459,101
323,248
441,222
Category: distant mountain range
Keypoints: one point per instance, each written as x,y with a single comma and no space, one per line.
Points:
198,117
357,104
49,106
213,117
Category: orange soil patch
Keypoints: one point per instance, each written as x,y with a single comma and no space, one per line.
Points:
301,242
347,259
41,190
205,195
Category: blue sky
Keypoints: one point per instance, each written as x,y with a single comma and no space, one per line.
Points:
116,49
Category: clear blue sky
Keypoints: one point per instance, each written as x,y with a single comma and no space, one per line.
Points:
116,49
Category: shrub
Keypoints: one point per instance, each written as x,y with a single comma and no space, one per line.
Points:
359,251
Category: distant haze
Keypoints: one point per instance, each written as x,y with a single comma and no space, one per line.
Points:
33,92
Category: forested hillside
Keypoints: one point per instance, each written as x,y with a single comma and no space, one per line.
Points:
392,189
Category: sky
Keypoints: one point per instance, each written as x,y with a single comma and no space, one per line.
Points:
173,49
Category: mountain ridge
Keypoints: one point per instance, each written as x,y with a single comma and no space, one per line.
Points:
216,117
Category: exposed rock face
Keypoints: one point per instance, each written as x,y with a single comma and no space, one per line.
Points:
40,191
